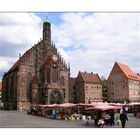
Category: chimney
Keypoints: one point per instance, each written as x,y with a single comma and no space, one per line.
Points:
85,72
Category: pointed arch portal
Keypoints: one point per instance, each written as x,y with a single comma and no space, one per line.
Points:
56,97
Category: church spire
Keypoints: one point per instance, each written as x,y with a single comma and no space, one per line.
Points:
47,19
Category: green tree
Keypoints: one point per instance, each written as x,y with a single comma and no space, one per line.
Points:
104,88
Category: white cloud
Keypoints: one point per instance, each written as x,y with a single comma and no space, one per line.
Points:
20,27
5,62
19,31
89,41
95,41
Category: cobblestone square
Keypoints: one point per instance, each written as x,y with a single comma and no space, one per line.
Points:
17,119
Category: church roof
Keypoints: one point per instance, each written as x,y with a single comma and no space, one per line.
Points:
128,72
90,77
18,61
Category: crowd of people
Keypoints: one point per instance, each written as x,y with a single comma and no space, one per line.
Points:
107,118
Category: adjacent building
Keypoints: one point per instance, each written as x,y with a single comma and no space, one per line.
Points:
72,90
86,88
40,76
123,85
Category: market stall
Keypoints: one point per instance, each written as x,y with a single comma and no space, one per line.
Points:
35,109
49,111
104,113
134,108
67,111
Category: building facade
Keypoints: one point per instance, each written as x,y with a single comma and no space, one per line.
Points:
40,76
72,90
86,88
123,85
0,94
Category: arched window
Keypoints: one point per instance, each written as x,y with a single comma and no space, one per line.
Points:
54,75
62,80
28,86
52,99
48,76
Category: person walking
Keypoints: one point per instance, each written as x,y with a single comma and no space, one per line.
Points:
123,118
112,123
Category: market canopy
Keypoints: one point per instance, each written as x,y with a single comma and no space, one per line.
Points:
67,105
104,107
117,104
50,106
92,104
85,105
135,103
101,103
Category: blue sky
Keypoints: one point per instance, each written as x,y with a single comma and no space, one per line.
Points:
91,42
53,17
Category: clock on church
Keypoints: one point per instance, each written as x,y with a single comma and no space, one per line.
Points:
55,58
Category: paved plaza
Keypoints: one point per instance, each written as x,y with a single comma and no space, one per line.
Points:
17,119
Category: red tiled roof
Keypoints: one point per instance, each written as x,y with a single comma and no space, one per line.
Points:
90,77
128,72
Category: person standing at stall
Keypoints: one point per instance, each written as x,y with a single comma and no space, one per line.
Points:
123,118
53,114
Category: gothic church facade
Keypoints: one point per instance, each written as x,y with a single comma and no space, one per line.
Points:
40,76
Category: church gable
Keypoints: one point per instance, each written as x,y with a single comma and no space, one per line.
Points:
79,78
88,78
116,71
54,60
54,70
